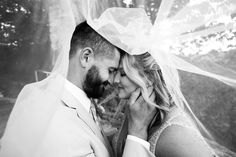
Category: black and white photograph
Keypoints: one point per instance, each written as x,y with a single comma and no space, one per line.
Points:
118,78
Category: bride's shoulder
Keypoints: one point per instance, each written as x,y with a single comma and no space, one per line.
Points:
181,141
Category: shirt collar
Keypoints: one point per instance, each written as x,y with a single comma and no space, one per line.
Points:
79,94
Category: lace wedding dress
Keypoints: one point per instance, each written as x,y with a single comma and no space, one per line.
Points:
176,117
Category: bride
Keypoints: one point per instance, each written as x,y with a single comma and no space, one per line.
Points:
171,132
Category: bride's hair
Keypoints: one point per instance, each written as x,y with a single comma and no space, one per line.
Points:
145,72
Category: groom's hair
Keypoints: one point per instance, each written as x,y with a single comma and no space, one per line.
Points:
85,36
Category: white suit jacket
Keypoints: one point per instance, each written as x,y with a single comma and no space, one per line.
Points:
73,133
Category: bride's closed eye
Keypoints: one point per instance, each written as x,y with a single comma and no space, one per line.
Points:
122,73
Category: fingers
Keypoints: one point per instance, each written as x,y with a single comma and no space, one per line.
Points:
134,96
152,96
141,101
137,98
150,90
137,102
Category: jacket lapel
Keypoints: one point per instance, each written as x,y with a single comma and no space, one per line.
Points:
93,126
72,102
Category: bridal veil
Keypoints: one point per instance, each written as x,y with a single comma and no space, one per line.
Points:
169,31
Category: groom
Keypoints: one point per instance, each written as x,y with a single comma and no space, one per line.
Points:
73,131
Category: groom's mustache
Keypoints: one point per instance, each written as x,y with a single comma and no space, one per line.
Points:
106,83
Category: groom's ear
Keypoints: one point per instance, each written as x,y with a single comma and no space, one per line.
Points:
86,57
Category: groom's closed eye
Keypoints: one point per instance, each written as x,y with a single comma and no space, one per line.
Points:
112,70
122,73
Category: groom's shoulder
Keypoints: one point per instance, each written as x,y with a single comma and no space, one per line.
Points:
64,115
61,113
65,123
64,132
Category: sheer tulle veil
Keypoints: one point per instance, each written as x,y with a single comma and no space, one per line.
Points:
131,30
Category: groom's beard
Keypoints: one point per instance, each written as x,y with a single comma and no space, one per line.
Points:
93,85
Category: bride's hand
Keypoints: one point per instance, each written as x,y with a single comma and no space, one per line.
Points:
140,114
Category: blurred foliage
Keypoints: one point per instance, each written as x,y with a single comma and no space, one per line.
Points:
24,37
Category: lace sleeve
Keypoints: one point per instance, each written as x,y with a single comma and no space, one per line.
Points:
177,120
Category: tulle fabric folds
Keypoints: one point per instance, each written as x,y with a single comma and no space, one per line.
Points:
176,22
37,102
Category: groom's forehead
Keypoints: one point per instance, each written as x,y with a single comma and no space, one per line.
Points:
111,60
115,60
117,55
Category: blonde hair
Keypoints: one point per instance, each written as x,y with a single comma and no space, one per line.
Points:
142,69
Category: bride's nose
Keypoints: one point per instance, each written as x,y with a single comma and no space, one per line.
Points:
117,78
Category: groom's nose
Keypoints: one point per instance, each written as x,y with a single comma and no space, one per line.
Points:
111,79
117,78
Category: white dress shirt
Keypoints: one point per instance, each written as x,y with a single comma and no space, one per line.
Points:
81,96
